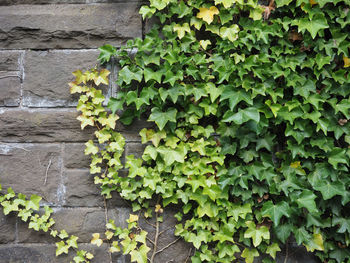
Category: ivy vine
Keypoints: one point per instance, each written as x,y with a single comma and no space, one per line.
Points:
250,106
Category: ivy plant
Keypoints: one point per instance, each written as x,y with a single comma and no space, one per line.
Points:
250,106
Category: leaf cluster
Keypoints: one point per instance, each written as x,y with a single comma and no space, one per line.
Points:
29,210
250,105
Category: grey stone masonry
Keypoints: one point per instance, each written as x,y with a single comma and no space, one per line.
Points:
10,78
46,81
68,25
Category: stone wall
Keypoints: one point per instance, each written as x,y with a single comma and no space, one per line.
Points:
41,144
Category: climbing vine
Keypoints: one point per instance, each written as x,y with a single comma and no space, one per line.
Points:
249,103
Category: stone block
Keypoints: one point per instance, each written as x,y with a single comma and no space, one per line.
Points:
7,228
41,125
81,190
10,89
74,156
10,60
47,74
32,169
134,148
68,25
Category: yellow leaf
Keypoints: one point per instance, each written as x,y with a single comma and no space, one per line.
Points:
109,234
208,14
79,77
182,29
96,240
89,256
85,121
110,121
159,209
114,248
102,77
295,165
313,2
316,243
204,43
133,218
346,62
74,88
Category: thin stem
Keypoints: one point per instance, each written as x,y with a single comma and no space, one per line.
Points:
188,256
147,222
170,227
170,244
286,258
150,240
156,236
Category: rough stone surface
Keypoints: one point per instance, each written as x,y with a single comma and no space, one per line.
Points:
32,169
74,156
68,26
7,228
295,254
81,190
53,126
134,148
46,81
35,2
41,126
10,89
10,60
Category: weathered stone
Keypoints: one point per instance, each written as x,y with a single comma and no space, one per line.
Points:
10,89
47,74
136,149
10,60
45,253
81,190
74,156
32,169
36,2
68,25
294,254
7,228
40,125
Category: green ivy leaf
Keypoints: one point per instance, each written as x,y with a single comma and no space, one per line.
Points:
307,200
276,211
330,189
106,52
273,249
242,116
162,118
313,25
249,254
61,248
257,234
